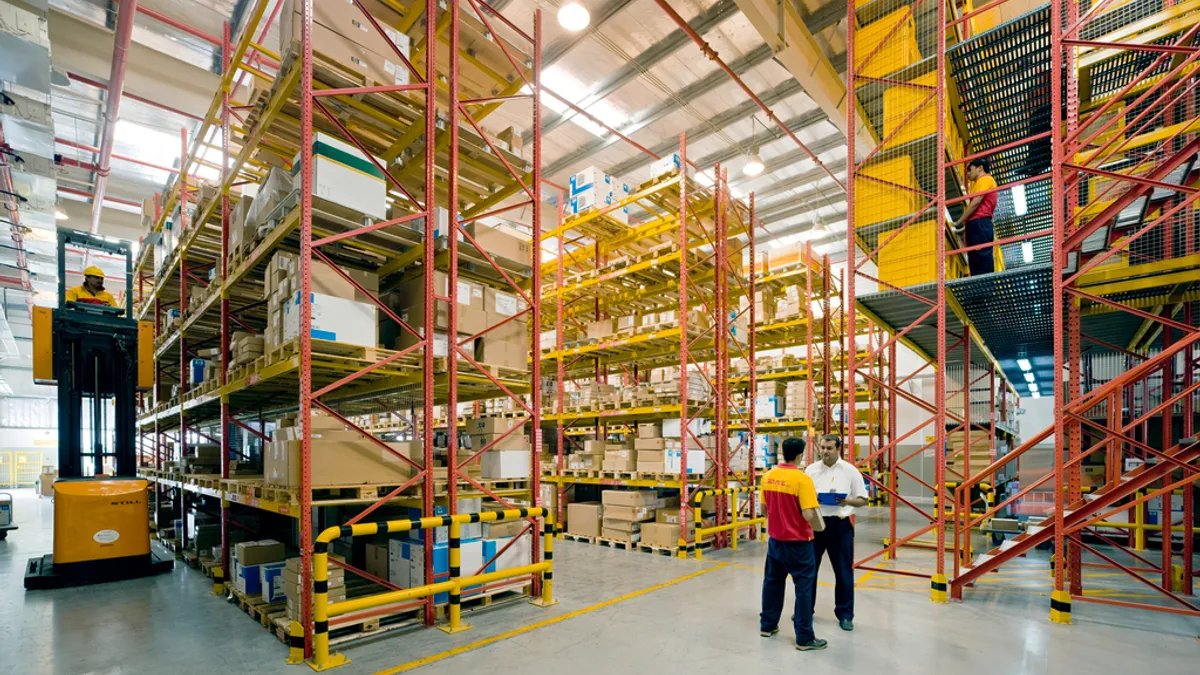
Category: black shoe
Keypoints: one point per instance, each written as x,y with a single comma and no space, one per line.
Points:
811,646
769,633
846,625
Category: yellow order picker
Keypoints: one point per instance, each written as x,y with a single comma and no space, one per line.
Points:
99,356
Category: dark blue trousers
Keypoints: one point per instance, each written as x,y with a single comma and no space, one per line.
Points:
979,231
784,559
837,540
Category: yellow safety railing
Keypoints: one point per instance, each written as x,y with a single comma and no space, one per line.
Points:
733,525
323,611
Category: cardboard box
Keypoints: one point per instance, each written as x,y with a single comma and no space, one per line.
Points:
344,18
647,430
600,330
628,513
629,498
618,535
505,464
651,444
271,580
408,300
246,579
620,455
671,516
343,175
258,552
663,535
293,603
501,243
644,466
377,560
509,528
334,319
595,447
381,68
584,518
337,458
651,456
516,441
619,465
621,525
493,425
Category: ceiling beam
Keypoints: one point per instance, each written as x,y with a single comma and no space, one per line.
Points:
797,50
702,23
794,125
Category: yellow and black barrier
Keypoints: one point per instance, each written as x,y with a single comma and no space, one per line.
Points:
218,580
938,587
323,611
1060,607
733,525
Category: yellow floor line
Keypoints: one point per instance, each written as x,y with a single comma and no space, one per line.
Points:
542,624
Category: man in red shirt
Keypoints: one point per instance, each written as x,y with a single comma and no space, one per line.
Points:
977,217
790,499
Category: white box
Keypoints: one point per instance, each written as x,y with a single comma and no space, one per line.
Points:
505,464
398,565
516,555
667,164
699,426
335,319
768,406
590,178
343,175
697,461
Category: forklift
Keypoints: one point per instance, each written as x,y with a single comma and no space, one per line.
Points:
99,359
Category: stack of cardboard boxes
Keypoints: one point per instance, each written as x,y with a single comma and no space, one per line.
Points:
585,519
592,456
625,511
249,558
796,399
664,531
202,458
339,456
790,304
340,312
282,581
651,448
509,454
770,399
618,457
244,348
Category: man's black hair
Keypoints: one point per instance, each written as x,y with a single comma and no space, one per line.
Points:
982,163
792,448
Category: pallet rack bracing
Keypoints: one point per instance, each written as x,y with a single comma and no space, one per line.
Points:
689,331
308,94
1101,193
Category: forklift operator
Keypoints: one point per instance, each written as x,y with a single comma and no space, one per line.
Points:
92,291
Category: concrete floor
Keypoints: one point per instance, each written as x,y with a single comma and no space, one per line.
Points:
701,618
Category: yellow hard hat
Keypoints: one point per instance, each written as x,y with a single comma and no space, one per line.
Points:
93,271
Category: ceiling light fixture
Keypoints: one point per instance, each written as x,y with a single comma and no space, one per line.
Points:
574,17
1025,364
1029,377
754,164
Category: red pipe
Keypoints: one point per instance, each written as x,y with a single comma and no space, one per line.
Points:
89,195
93,167
713,56
116,85
100,85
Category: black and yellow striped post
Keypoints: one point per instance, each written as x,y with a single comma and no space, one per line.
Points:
1060,607
218,581
938,588
455,624
323,660
295,644
547,597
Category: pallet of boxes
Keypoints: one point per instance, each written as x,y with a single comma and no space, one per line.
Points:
338,456
252,562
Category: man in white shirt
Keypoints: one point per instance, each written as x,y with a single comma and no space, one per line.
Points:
834,474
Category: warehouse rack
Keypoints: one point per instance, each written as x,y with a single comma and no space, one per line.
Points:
1120,318
308,92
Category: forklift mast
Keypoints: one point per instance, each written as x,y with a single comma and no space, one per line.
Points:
94,355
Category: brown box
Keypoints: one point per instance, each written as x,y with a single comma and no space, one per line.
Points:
583,518
409,302
663,535
648,430
595,447
250,553
514,441
628,513
619,465
629,498
499,243
337,458
620,454
618,535
46,483
650,466
493,425
509,528
600,330
659,456
293,601
621,525
671,515
377,560
376,68
650,443
342,17
326,281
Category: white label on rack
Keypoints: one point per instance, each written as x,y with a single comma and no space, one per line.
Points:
464,293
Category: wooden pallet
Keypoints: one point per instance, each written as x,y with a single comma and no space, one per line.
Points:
579,538
671,551
617,544
257,608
